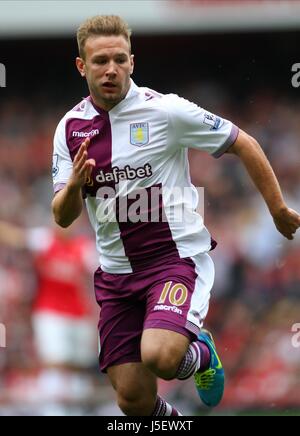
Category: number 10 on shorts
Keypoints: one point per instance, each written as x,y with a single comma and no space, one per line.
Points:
177,294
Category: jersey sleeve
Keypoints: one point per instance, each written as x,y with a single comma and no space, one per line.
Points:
195,127
62,164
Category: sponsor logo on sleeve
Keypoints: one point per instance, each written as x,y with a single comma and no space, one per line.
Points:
213,121
55,168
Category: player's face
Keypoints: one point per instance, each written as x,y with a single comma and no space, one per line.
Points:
107,67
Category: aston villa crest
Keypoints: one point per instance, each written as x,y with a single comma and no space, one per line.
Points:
139,134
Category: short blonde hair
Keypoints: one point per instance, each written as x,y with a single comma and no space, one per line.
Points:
102,25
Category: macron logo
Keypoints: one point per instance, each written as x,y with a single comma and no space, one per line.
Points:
86,134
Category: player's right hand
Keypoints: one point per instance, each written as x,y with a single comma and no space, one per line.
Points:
82,166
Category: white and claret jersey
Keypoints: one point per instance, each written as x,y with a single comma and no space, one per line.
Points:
141,145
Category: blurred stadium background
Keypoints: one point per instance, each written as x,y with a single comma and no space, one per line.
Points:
234,58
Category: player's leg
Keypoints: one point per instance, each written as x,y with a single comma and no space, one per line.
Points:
172,355
163,350
136,388
177,304
176,310
121,327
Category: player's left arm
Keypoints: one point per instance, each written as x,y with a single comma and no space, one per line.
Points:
259,168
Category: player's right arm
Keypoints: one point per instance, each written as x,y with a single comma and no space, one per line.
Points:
67,204
197,128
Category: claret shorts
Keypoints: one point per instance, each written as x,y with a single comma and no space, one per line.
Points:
173,295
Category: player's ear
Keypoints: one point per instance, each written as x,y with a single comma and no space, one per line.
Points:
131,63
80,66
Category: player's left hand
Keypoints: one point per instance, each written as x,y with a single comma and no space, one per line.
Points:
287,221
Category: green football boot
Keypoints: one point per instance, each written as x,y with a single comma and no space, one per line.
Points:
210,383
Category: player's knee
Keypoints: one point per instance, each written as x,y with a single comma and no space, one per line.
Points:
139,405
162,361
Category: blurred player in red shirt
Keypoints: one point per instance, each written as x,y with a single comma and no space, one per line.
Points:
62,317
